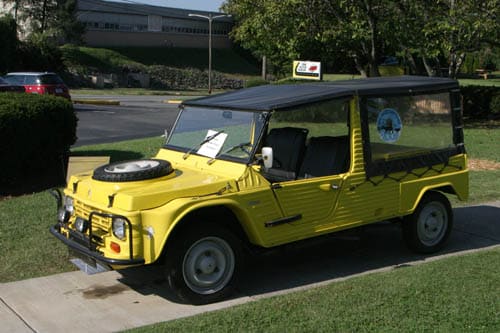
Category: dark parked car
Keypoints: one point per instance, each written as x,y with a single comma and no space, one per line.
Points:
7,87
39,83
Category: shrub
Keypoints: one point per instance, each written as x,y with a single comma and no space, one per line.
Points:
391,70
255,83
36,133
8,46
39,53
163,77
481,102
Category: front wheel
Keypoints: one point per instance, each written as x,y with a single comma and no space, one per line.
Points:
202,265
428,228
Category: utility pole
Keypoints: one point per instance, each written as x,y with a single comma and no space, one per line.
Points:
210,18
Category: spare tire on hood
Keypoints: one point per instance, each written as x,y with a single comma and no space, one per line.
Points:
127,171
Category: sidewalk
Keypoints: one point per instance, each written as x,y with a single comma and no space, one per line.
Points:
114,301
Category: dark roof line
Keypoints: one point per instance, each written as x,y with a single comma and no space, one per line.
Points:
281,97
142,9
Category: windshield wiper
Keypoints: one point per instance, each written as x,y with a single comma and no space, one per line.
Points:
240,146
207,139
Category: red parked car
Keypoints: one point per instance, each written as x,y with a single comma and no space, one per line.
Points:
39,83
7,87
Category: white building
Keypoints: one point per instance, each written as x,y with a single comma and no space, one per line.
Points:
111,23
126,24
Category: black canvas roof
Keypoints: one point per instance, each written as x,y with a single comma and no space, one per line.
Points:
279,97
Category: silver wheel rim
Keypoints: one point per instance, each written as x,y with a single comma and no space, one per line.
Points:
132,166
432,223
208,265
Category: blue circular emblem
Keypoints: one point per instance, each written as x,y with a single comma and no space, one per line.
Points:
389,125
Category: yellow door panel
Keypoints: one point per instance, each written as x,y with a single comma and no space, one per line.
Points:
311,201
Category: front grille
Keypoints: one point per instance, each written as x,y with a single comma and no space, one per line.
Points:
100,228
99,223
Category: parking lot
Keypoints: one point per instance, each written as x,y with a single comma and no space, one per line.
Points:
134,117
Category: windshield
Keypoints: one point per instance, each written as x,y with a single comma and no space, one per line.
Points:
217,134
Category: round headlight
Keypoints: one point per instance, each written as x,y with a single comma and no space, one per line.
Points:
81,225
63,215
119,227
68,205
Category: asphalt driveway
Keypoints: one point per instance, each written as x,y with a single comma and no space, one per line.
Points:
115,301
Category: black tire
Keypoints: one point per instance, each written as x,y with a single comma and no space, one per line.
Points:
134,170
202,264
429,227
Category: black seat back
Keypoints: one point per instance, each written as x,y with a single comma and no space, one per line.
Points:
325,155
288,145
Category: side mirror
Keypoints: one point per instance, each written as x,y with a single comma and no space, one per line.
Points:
267,157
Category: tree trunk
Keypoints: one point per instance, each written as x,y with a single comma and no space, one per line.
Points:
456,62
428,67
264,68
411,63
43,20
374,69
372,21
359,67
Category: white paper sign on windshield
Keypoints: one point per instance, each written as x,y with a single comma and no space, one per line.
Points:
212,147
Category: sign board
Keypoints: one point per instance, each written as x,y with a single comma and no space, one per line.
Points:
213,146
79,164
310,70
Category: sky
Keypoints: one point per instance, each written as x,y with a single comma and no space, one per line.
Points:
208,5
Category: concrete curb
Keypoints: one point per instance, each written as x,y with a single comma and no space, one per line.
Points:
96,101
172,101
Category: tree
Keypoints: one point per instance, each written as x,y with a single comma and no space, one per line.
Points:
285,30
8,46
55,18
40,53
66,27
470,24
365,30
446,29
267,28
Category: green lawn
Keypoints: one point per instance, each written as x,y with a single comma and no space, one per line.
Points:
106,59
223,60
480,82
457,294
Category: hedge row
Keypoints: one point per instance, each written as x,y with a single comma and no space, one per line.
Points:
163,77
36,132
480,102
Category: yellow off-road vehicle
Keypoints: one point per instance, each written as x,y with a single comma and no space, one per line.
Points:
271,165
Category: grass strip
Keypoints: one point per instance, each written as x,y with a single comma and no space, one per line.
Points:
455,294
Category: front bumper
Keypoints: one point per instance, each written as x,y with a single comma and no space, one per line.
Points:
88,252
84,245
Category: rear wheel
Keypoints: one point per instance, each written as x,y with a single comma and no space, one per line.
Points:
428,228
202,264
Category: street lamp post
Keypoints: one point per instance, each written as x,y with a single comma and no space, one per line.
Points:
210,18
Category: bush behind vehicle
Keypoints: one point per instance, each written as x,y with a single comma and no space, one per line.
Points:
481,102
36,132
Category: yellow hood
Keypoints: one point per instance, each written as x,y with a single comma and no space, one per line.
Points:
151,193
